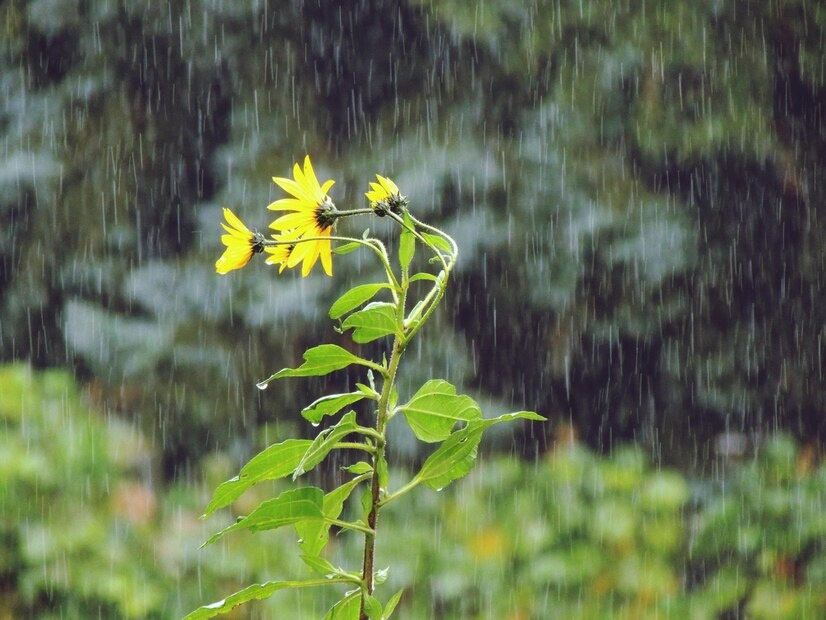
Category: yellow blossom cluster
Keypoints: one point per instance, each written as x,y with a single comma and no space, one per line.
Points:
303,234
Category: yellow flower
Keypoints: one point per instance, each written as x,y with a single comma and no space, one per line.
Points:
385,196
241,244
280,253
382,191
313,215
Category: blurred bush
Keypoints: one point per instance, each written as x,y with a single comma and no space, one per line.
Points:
634,186
88,531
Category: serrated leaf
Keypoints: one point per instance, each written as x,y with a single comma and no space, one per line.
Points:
276,461
354,298
314,534
329,405
439,242
320,360
435,408
456,456
377,319
391,605
287,509
407,244
254,592
346,248
324,442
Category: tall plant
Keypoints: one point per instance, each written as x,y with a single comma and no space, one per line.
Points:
395,308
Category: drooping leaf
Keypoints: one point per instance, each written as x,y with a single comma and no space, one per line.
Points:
314,534
276,461
354,298
377,319
456,456
318,564
318,361
346,248
438,242
254,592
324,442
288,508
435,408
329,405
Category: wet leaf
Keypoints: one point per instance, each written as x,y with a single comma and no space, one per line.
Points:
374,321
288,508
354,298
435,408
329,405
324,442
274,462
455,457
320,360
254,592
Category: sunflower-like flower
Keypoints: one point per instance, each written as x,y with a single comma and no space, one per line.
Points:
241,244
313,215
280,254
385,196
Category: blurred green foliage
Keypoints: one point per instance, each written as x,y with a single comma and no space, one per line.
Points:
87,531
635,188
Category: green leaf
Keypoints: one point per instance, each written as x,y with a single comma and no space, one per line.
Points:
407,244
346,248
377,319
347,608
318,361
455,457
438,242
288,508
254,592
324,442
329,405
384,473
314,534
391,604
423,275
372,607
354,298
435,408
367,390
274,462
362,467
318,564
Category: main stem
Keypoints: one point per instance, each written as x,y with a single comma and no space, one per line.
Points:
375,485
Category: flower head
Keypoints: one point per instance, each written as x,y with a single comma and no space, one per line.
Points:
385,196
280,254
241,244
313,215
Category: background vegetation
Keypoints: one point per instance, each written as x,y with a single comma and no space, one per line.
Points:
636,189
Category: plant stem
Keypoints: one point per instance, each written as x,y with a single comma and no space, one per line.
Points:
375,485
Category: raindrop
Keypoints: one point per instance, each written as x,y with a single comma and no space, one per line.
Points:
262,385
